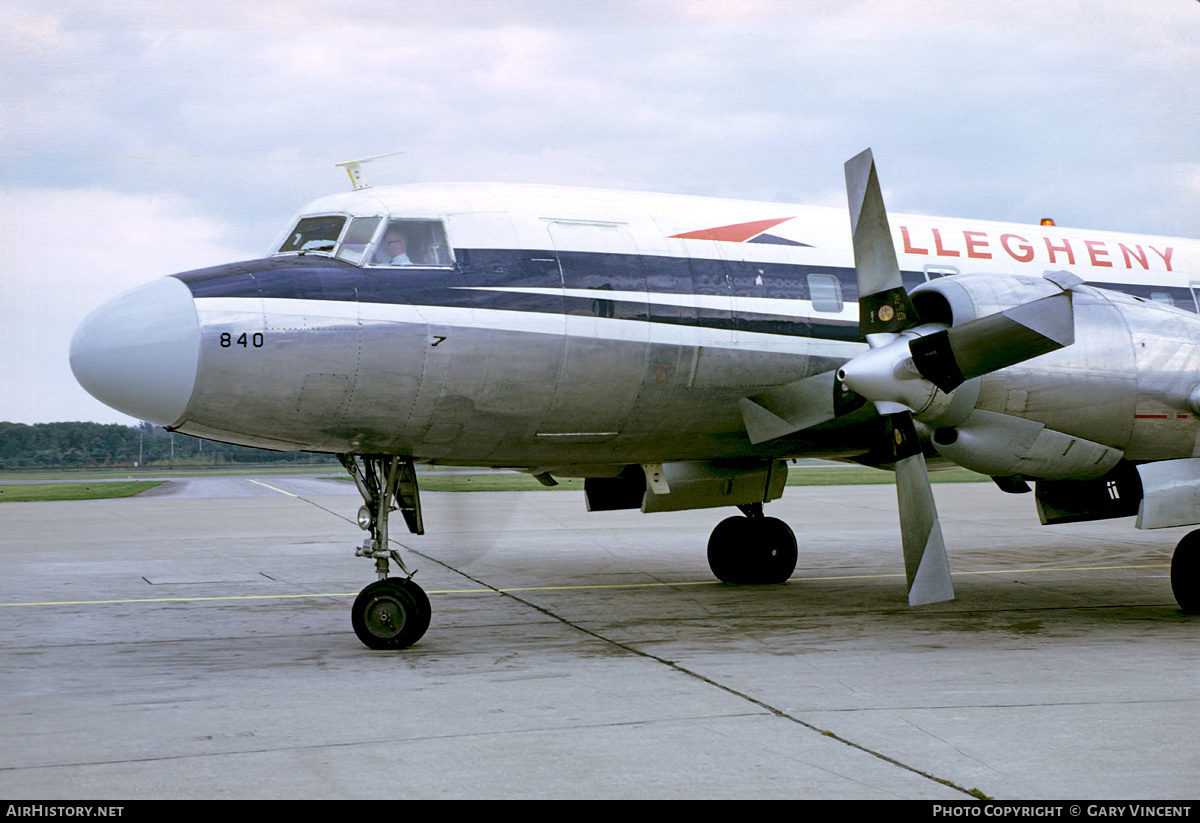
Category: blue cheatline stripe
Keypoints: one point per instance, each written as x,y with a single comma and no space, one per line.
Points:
531,281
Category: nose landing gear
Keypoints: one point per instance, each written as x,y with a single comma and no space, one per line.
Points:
392,612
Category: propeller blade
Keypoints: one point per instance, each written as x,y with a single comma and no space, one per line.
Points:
801,404
883,304
948,358
925,563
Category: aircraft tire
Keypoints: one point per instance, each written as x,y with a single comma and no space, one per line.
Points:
1185,573
752,551
726,547
391,614
779,551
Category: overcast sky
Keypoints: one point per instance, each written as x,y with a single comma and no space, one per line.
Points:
143,138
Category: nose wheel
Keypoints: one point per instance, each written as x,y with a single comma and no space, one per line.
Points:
393,612
390,614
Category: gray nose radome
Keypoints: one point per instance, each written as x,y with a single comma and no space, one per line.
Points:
138,353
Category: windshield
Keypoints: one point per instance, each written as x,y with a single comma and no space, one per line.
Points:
367,241
358,237
314,234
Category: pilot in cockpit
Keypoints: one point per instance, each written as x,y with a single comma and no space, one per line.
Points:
394,250
411,243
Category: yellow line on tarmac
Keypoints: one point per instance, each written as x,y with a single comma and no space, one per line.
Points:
1000,571
347,594
178,599
1073,569
555,588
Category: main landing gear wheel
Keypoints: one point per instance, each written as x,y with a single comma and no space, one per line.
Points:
752,550
1185,573
391,614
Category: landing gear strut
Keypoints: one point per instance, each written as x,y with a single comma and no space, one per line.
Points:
1185,573
752,549
392,612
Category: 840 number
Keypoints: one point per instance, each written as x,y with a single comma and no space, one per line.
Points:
244,340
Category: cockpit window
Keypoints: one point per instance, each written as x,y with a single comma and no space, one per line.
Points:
412,243
358,237
314,234
371,241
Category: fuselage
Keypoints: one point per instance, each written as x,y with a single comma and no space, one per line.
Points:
568,329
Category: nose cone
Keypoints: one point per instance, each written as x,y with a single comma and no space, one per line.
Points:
139,351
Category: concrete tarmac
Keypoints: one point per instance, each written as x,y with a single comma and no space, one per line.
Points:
196,643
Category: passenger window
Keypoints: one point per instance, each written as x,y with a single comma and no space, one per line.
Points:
314,234
825,291
1162,297
412,243
358,237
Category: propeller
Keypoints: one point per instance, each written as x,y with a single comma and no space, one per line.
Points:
887,376
903,370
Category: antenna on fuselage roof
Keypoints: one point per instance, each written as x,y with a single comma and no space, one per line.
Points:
354,169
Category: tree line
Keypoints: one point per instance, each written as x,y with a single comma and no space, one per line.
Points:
90,445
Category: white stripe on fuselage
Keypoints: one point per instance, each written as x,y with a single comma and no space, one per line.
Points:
299,314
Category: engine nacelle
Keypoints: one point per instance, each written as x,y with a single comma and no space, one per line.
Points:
1001,445
1123,389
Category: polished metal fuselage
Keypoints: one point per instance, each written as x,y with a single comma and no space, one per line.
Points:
579,332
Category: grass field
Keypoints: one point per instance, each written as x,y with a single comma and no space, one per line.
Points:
127,473
28,492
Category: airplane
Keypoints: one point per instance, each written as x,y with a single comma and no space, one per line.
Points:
676,352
